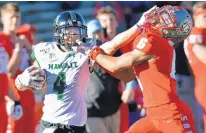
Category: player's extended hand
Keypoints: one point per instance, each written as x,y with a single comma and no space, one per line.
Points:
25,43
14,109
33,77
19,43
128,95
143,17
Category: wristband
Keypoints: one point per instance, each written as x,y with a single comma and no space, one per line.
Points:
95,52
17,103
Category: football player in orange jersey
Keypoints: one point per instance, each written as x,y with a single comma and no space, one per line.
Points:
11,20
195,50
152,61
15,109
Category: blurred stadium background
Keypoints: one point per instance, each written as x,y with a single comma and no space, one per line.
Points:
41,13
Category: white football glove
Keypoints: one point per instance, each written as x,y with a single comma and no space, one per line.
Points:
142,19
14,109
33,77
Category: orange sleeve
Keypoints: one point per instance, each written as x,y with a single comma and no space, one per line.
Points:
143,43
127,48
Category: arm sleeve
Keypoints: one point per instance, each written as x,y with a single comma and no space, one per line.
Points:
143,43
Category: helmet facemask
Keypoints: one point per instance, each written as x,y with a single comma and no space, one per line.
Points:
69,35
171,22
69,27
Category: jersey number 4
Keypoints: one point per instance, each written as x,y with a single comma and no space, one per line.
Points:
59,85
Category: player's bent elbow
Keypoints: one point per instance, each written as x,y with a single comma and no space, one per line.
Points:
110,68
114,68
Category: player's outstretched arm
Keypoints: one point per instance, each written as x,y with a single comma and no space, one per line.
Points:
121,40
126,37
118,64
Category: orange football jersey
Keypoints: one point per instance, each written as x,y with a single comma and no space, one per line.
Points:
127,48
156,76
197,36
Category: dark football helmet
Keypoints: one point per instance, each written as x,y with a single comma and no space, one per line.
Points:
67,20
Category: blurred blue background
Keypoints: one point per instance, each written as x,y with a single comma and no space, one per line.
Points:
41,14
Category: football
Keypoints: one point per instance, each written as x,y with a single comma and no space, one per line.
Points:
41,74
31,79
